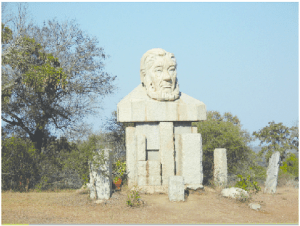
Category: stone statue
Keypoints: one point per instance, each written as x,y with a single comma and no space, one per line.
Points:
158,75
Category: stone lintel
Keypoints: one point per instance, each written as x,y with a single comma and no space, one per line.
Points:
138,107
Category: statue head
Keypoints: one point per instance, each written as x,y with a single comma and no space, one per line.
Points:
158,75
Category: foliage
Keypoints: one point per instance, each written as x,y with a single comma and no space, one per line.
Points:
116,135
277,137
19,163
248,184
119,170
133,198
52,77
225,132
291,165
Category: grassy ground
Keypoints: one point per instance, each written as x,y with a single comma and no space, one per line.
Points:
205,207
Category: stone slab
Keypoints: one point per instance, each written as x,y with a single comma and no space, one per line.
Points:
220,166
272,173
149,173
167,151
138,107
153,155
141,147
151,132
182,127
100,176
176,188
131,157
192,169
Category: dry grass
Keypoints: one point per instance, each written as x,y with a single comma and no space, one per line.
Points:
71,207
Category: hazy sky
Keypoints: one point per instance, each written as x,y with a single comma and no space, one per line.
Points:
235,57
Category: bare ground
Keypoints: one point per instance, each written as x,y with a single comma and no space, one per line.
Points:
201,207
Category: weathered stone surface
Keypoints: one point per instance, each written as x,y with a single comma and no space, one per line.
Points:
272,173
100,176
149,173
192,169
235,193
151,132
138,107
131,156
220,166
254,206
153,155
182,127
194,129
176,188
167,151
141,147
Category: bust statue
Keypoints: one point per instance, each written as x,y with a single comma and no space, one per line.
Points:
158,75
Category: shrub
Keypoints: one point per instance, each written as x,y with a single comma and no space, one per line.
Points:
248,184
133,198
291,165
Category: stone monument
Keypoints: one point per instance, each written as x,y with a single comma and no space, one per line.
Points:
162,143
272,173
220,166
100,184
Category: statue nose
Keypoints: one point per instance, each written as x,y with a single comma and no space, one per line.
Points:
166,76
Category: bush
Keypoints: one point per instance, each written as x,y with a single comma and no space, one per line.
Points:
133,198
291,165
248,184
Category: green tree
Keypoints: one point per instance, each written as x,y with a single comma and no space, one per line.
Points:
225,132
53,78
19,163
277,137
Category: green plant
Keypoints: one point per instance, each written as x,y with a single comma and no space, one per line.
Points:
133,198
248,184
291,165
119,170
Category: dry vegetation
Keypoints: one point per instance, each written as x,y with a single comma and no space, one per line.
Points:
71,207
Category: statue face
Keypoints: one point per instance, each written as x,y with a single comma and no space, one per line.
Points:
163,74
158,75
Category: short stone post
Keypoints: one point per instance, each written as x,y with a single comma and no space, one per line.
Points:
176,188
272,173
101,176
220,166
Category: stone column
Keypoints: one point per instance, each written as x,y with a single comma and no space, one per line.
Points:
131,156
167,151
101,175
220,166
272,173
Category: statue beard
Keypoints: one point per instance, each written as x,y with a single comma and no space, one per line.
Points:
162,95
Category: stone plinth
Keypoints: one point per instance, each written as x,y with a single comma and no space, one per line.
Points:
220,166
272,173
176,188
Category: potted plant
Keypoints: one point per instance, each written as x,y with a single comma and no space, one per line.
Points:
119,170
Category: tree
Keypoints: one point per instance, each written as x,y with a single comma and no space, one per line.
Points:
277,137
53,76
225,132
116,134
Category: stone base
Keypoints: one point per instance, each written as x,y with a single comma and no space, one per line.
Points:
176,188
153,189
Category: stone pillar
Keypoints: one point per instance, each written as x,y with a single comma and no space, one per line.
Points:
272,173
101,175
220,166
176,188
131,156
192,169
166,151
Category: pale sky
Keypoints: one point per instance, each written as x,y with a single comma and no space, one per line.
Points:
235,57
